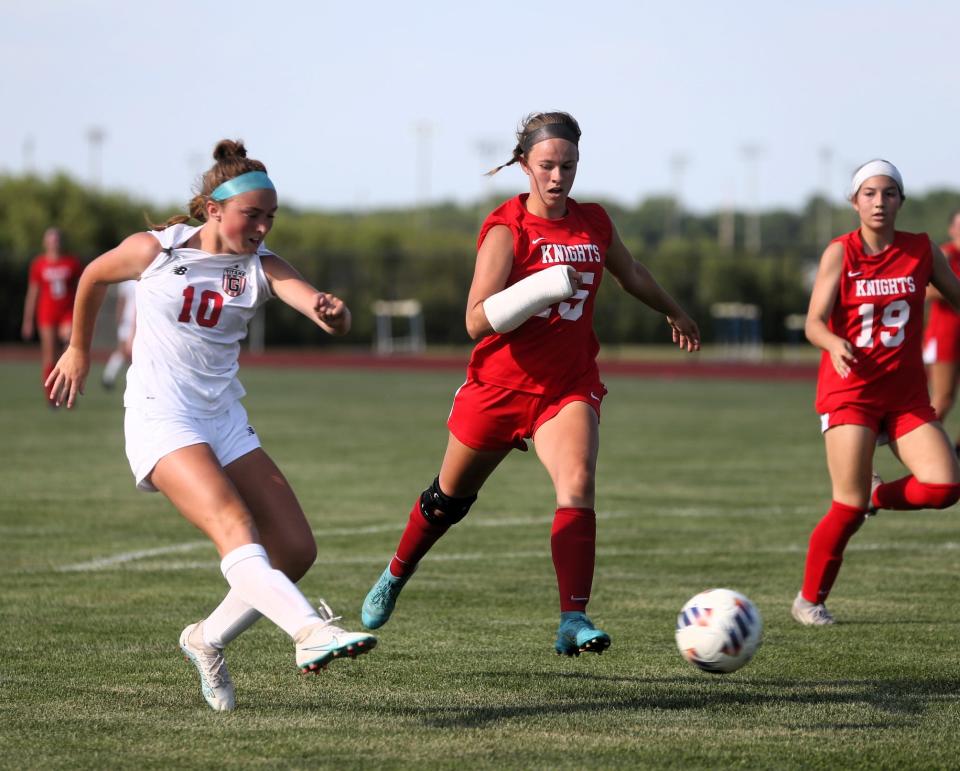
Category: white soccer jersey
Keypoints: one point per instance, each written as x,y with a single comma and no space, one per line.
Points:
126,294
193,309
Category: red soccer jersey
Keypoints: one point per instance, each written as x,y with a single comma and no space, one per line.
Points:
557,348
57,281
879,310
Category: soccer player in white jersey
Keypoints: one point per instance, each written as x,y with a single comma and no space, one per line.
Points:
126,323
187,434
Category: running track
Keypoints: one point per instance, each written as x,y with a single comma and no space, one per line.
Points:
687,366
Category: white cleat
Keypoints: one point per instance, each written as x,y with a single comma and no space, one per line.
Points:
810,613
322,642
215,683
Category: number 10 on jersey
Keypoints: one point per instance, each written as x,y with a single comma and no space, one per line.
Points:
208,309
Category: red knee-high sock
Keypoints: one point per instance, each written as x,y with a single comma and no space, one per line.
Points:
417,539
827,542
908,493
573,543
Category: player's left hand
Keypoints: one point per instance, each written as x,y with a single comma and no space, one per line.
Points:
332,311
66,381
686,334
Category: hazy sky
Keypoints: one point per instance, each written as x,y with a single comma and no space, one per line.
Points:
385,103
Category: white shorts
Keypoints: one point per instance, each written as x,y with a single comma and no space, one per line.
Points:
151,437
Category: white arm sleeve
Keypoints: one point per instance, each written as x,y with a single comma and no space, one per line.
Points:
508,309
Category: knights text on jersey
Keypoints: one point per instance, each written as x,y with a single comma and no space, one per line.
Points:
879,310
193,309
557,347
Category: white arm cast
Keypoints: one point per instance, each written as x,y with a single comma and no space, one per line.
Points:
508,309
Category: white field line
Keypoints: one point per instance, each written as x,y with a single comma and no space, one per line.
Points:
176,565
103,563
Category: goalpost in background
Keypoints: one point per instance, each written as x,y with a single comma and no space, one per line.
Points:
410,338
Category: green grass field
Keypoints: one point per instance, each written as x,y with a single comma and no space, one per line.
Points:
700,484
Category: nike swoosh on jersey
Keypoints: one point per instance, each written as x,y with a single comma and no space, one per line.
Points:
854,274
536,241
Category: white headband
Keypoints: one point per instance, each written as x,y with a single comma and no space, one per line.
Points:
875,168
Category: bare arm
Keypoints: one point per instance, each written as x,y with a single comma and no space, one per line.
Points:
126,261
822,299
328,312
494,261
29,310
636,280
943,281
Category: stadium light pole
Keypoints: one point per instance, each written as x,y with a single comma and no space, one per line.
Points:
95,138
751,154
424,161
27,154
825,218
487,151
678,165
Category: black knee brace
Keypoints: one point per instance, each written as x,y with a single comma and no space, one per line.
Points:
440,509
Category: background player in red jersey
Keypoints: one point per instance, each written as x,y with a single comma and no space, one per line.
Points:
866,313
941,342
534,374
50,292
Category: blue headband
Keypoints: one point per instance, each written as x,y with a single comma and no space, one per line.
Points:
252,180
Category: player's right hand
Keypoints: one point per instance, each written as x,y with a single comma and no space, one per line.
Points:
842,356
69,375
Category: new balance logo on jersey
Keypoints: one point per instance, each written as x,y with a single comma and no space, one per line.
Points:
180,270
872,287
234,281
563,253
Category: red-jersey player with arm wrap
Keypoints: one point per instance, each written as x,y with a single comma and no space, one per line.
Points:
941,340
540,260
866,313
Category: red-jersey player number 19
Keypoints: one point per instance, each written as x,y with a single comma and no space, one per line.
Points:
893,320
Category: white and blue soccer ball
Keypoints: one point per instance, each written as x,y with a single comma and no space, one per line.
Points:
719,630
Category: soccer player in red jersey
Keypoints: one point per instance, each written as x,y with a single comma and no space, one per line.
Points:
941,342
50,292
866,313
533,373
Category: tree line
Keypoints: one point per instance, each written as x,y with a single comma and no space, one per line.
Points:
428,254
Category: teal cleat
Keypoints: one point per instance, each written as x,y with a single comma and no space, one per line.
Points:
577,635
381,599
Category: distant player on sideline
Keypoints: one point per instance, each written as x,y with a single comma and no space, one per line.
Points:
126,324
866,313
534,374
187,433
941,343
50,292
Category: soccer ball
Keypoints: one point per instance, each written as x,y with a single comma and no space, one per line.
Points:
719,630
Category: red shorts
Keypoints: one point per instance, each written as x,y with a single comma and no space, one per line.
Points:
888,425
54,317
489,417
941,342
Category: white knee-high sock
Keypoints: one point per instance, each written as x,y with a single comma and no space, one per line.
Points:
266,590
112,368
231,618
